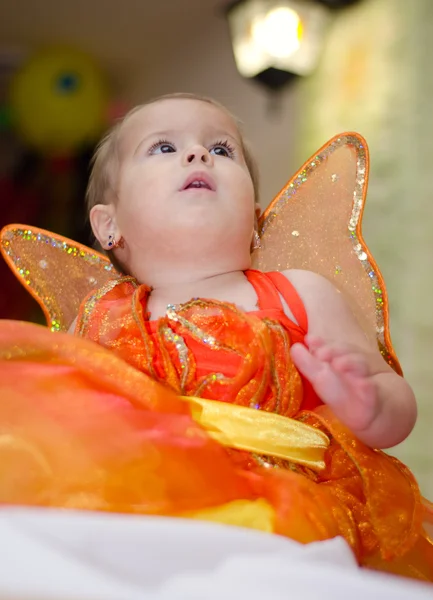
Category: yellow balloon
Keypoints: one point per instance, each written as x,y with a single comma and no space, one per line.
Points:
59,100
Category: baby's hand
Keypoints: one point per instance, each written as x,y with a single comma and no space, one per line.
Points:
340,376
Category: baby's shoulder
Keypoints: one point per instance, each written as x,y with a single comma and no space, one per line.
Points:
314,290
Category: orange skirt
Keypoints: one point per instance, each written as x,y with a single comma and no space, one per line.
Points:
81,429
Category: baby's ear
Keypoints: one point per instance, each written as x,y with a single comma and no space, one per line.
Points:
103,222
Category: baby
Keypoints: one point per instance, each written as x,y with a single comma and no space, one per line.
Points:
173,199
196,386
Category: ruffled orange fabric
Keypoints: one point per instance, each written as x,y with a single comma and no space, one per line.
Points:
91,428
208,348
81,428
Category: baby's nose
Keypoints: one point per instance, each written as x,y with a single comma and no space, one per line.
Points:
198,154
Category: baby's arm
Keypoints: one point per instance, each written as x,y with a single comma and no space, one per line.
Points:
347,370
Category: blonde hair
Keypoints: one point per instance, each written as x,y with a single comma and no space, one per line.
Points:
105,162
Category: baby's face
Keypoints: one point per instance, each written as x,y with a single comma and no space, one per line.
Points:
182,173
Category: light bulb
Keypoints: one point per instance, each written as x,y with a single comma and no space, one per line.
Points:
279,32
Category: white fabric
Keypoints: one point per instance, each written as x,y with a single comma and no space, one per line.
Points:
64,555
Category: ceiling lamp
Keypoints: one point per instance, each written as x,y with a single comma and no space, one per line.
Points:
275,41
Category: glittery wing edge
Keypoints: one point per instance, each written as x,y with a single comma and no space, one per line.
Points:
315,223
58,272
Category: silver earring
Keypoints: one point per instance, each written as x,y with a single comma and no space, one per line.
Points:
256,241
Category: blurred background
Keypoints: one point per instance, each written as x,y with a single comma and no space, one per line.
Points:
68,70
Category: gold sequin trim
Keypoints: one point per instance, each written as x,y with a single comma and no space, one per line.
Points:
182,353
89,305
206,339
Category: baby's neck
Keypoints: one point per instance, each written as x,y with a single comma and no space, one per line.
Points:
204,287
230,287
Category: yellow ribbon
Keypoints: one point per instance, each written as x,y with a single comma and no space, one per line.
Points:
260,432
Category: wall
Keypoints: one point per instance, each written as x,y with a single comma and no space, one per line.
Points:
376,77
205,65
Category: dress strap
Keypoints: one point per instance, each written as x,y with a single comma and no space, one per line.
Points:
291,296
269,287
267,293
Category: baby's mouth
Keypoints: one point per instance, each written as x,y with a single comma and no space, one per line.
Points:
199,181
198,185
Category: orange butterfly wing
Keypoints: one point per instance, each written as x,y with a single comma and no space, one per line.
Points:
315,223
58,272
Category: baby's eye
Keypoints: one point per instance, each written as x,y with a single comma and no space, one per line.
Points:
223,149
162,147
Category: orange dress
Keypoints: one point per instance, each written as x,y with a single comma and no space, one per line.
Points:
199,414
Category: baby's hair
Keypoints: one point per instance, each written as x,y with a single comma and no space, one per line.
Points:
105,162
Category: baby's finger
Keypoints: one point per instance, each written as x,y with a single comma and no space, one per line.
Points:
313,341
350,363
307,364
329,351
